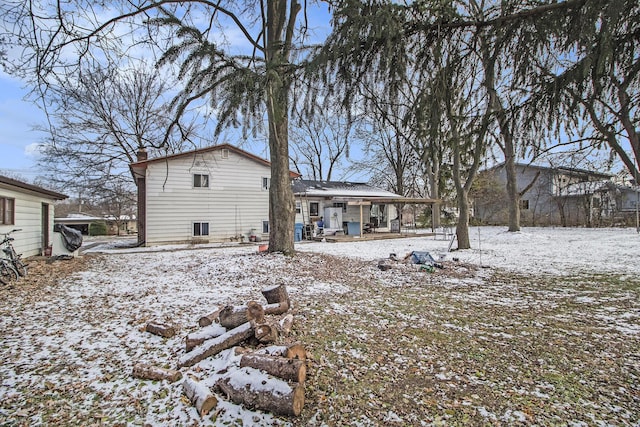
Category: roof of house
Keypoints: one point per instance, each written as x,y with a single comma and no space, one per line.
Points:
564,169
311,188
140,166
14,184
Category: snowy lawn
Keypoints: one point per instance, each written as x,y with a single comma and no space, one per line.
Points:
538,327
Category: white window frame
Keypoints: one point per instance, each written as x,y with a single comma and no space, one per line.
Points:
298,206
200,175
200,233
317,212
265,226
266,183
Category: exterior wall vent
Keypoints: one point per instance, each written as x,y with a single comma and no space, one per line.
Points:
225,153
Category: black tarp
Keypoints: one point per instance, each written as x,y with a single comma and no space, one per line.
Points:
71,238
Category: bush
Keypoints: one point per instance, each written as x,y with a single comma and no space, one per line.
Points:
98,228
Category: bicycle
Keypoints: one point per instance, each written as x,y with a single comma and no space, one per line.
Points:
8,274
12,256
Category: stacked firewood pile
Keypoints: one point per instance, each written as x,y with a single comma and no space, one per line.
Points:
270,377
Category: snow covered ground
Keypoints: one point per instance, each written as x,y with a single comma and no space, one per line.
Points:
68,349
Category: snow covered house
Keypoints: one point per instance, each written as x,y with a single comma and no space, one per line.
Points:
345,207
215,193
29,208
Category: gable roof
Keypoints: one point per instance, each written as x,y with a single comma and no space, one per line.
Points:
137,168
311,188
563,169
14,184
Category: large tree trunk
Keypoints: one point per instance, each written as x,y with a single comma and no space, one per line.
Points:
462,229
216,345
257,390
281,200
512,188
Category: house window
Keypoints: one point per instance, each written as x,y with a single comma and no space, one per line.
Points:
314,208
341,205
524,205
7,210
298,206
265,226
200,180
200,228
266,183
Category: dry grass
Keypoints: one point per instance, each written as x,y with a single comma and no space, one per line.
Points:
402,347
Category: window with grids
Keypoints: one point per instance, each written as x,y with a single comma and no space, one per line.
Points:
200,228
200,180
7,211
524,205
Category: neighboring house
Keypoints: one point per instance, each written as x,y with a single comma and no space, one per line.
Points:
79,221
115,226
346,207
556,196
31,209
209,194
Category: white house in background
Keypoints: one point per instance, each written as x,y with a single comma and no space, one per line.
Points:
209,194
346,207
31,209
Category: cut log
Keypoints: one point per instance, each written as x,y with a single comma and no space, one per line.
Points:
209,319
266,332
216,345
233,316
294,351
257,390
194,339
276,294
149,372
277,308
288,369
255,312
286,323
160,329
200,396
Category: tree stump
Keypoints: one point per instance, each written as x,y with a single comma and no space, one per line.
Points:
258,390
160,329
276,294
209,319
288,369
149,372
194,339
216,345
200,396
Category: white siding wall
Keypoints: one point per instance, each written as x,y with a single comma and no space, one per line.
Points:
233,204
28,217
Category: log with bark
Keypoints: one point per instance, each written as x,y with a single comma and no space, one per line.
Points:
161,329
266,332
216,345
277,299
233,316
258,390
288,369
150,372
196,338
286,323
293,351
209,319
200,396
255,313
